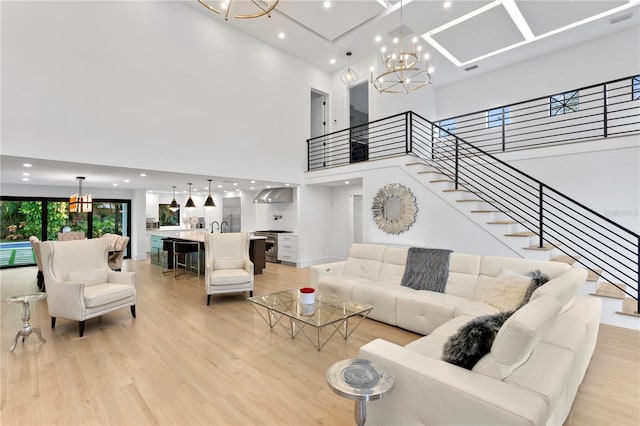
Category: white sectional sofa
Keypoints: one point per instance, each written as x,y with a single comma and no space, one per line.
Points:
536,363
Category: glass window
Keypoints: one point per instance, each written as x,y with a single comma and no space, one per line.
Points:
563,103
495,117
20,220
635,87
447,125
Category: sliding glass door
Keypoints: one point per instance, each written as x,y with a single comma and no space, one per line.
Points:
44,218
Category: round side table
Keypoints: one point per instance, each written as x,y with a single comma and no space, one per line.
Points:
360,380
26,329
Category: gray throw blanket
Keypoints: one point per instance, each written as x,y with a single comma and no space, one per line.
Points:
427,269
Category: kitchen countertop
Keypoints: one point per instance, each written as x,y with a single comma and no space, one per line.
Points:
192,235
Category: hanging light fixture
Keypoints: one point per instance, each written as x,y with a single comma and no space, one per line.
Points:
174,206
349,76
190,204
263,8
402,73
209,201
79,203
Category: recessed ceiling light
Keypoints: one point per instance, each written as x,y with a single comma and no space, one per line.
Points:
26,174
447,4
114,184
252,188
281,36
346,182
327,4
430,69
332,61
27,165
287,184
378,38
127,180
235,183
253,181
143,174
219,186
25,179
268,186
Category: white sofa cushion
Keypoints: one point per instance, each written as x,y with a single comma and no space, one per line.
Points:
364,261
463,274
228,263
382,296
508,291
564,290
393,264
422,311
229,276
518,336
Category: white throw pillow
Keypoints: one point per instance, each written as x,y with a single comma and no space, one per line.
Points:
89,276
508,291
229,263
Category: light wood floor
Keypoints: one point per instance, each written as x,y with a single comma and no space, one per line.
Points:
183,362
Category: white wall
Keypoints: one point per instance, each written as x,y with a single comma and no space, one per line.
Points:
157,85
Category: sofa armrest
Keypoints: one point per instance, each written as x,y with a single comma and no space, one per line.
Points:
431,391
65,299
325,269
121,277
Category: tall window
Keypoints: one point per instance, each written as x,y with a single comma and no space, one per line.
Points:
495,117
563,103
447,125
635,88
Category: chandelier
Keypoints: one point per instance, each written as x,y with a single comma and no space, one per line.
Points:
402,72
261,8
79,203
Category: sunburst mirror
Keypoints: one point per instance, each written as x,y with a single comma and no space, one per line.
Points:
394,208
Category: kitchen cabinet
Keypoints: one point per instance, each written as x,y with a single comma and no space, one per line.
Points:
288,248
156,250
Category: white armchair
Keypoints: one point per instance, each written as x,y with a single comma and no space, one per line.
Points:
80,284
228,268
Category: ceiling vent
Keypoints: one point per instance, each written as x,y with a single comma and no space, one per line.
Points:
620,18
471,68
274,195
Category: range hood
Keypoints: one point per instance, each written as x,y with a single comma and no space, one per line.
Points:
274,195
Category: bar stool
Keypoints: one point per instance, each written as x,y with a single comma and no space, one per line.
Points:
186,248
168,247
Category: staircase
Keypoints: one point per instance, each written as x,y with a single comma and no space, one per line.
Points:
524,242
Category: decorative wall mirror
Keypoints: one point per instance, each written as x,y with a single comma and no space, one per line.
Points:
394,208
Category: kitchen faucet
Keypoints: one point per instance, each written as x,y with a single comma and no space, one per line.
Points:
222,227
216,222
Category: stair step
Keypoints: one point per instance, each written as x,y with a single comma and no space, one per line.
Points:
440,180
426,172
606,289
417,163
487,211
629,307
502,222
459,190
545,247
594,274
521,234
470,201
564,258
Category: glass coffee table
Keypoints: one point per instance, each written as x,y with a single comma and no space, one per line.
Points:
284,308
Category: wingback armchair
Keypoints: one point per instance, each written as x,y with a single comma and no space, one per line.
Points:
228,268
35,246
80,284
117,245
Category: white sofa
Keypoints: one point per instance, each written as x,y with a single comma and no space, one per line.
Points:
537,360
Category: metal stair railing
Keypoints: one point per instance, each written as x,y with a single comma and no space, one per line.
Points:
556,219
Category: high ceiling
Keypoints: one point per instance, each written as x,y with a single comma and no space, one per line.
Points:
463,39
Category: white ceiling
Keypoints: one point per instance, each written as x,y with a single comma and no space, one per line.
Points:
488,34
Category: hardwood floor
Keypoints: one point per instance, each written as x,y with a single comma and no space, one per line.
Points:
183,362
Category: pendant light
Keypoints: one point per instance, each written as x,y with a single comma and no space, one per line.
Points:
190,204
349,76
209,202
174,207
79,203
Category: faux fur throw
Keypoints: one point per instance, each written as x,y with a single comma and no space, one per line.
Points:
537,280
473,340
426,269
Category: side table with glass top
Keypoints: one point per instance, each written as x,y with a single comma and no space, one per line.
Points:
26,329
360,380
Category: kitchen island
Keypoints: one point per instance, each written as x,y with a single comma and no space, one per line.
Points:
257,248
